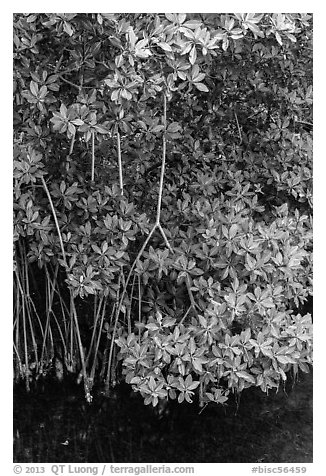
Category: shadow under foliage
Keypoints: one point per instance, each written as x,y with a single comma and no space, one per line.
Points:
268,429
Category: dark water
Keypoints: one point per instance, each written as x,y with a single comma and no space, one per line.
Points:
55,424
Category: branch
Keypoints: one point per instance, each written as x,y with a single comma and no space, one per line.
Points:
79,87
56,69
55,220
72,143
83,372
69,82
159,201
191,296
305,123
239,130
164,237
186,314
156,224
93,155
120,162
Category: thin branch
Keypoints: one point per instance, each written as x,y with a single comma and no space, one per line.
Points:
93,155
191,296
129,308
164,237
57,66
238,126
139,300
108,375
87,383
120,162
69,82
141,251
72,143
98,339
186,314
305,123
55,219
65,71
159,201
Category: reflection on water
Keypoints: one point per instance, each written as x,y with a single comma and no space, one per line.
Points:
56,424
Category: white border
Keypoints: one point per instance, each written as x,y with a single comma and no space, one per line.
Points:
318,467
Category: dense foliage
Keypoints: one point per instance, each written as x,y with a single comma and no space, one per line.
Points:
163,198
